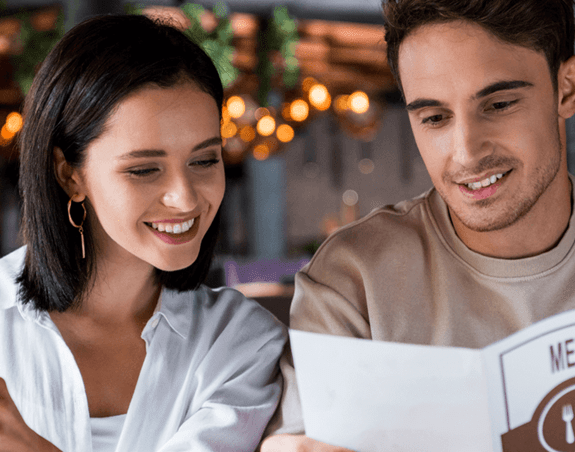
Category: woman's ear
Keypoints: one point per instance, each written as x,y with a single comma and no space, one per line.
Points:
68,177
566,87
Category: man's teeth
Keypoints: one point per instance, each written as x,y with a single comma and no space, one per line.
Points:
486,182
174,228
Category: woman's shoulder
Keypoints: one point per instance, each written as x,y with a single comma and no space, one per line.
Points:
10,267
227,308
229,300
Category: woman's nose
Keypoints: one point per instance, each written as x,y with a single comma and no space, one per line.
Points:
180,194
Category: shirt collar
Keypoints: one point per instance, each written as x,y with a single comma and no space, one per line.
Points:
176,308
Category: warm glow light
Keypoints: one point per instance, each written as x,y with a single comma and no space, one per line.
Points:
261,152
350,198
285,111
318,94
341,103
14,122
285,133
261,112
366,166
229,129
266,126
5,133
299,110
226,114
307,83
319,97
358,102
247,134
236,106
4,44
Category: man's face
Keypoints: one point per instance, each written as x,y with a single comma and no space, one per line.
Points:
484,115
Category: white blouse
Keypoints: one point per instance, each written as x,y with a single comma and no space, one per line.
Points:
106,432
209,381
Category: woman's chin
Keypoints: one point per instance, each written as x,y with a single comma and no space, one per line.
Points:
173,266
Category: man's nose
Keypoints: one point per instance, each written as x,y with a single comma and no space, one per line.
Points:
469,143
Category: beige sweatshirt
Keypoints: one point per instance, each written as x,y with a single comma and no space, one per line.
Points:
401,274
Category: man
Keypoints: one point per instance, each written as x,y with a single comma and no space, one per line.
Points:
489,250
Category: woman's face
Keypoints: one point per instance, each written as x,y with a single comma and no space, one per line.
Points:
154,179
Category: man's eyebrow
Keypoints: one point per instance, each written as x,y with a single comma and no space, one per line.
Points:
493,88
143,153
423,103
502,86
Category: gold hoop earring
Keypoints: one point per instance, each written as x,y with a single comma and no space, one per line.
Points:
80,227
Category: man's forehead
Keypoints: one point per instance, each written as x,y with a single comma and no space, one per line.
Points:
460,58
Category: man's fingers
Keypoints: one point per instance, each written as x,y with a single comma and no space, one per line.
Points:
4,394
313,445
297,443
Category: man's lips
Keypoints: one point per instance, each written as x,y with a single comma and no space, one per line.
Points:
479,191
488,175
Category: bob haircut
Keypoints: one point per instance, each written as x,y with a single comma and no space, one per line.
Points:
93,68
544,26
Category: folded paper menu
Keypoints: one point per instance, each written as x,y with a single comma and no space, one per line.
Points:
369,396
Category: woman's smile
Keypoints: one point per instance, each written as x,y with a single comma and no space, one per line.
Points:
175,232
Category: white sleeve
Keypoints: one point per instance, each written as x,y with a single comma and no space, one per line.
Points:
234,415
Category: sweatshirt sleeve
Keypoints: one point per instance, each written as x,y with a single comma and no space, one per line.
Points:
329,298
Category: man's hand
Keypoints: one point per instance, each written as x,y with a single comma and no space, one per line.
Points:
299,443
15,435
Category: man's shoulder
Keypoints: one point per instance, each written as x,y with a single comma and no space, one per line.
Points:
391,228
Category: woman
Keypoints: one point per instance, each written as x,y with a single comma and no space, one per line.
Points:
108,340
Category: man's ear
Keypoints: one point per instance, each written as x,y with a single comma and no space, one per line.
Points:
566,87
68,177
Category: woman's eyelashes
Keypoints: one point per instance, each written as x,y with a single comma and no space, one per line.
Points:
141,172
144,172
205,163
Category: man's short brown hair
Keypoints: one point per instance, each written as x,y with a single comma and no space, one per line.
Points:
542,25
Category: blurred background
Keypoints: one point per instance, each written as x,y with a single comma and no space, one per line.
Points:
315,131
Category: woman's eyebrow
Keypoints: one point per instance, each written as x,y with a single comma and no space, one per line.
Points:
146,153
142,154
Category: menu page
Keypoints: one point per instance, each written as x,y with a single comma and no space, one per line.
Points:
369,396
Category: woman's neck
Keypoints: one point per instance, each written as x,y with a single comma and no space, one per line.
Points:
120,294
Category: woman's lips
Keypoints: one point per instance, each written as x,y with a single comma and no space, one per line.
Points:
177,239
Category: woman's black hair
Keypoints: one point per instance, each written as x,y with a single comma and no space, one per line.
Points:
95,65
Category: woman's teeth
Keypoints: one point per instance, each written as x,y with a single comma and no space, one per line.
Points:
486,182
174,228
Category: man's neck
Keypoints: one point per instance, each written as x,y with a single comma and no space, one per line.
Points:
540,230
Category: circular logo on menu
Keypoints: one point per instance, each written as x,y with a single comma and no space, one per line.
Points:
555,428
552,427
